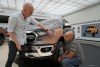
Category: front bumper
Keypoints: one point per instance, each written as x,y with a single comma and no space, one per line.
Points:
40,51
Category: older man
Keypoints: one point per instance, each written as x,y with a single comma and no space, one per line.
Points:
17,26
73,55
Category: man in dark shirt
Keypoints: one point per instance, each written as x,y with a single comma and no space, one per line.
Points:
74,54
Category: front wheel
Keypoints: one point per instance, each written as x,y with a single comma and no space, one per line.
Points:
58,50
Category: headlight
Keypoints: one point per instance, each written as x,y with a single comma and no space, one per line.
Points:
30,37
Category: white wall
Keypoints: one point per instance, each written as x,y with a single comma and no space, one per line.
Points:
77,19
79,35
88,14
4,25
88,39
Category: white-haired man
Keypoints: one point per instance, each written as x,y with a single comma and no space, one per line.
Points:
17,26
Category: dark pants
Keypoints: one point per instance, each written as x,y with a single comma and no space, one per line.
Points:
12,54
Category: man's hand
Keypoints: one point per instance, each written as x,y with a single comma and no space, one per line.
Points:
50,33
19,47
64,56
13,37
60,59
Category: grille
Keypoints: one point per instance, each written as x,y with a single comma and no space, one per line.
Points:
30,37
31,49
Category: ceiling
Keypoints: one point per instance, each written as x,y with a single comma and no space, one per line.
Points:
51,7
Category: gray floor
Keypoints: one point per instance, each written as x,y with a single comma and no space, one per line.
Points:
3,55
92,55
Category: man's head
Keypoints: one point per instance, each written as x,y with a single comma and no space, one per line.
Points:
68,36
27,9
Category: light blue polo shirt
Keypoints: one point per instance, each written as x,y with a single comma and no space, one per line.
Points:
19,25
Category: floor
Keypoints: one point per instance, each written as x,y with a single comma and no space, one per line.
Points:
3,55
92,55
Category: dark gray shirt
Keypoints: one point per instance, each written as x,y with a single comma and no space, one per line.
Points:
76,47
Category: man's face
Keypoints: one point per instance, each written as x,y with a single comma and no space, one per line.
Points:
28,12
68,37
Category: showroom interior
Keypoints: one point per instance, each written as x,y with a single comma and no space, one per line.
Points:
82,16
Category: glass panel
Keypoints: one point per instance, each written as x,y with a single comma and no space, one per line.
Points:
46,1
19,7
47,7
63,1
52,3
68,3
66,6
75,0
11,1
41,6
4,4
35,10
3,0
57,4
56,0
94,1
12,6
20,0
74,4
38,0
30,1
19,3
60,8
83,2
50,10
35,4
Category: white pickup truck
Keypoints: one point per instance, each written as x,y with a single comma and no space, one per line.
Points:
38,49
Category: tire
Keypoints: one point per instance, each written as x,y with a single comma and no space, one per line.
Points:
1,40
57,51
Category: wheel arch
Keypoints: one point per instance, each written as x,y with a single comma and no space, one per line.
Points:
61,39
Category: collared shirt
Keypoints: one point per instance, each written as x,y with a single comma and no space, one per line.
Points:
74,46
18,25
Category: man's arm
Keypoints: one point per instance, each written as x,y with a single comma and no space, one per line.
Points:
11,26
13,37
45,28
55,36
41,26
69,55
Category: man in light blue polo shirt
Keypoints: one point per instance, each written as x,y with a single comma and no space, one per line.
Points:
17,26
